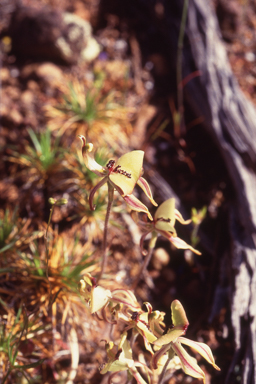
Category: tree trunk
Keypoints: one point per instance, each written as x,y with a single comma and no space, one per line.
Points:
230,119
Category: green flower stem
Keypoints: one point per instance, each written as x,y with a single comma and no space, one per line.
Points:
104,244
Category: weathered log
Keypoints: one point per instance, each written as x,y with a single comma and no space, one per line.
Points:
230,119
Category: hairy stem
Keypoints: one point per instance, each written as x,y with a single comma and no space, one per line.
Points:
104,244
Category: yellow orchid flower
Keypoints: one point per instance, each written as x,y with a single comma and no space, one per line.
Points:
122,175
163,224
120,359
95,295
173,339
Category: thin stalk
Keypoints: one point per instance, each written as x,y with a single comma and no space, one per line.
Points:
47,251
143,267
105,234
179,59
7,374
161,378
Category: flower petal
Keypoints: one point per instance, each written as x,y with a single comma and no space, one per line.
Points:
136,375
179,317
181,244
169,337
136,205
189,363
159,354
177,242
202,348
180,322
145,187
161,225
131,164
100,297
179,217
89,161
166,211
94,190
125,296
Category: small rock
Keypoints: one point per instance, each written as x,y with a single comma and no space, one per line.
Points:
15,117
27,98
250,57
47,34
160,258
50,74
4,75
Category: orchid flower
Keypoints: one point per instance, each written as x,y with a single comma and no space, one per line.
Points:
96,296
122,175
120,359
172,342
163,224
132,316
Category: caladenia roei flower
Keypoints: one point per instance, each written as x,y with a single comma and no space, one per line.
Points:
122,175
163,224
120,307
96,296
120,359
172,341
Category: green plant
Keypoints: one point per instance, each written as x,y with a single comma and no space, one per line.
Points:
42,158
7,227
88,108
197,216
15,233
13,339
120,306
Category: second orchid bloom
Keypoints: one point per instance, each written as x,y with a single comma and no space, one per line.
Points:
122,175
163,224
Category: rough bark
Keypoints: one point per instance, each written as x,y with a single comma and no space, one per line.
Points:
231,121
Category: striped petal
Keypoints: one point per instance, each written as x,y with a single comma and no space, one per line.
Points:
146,189
157,355
201,348
136,205
179,243
189,363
